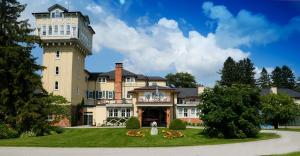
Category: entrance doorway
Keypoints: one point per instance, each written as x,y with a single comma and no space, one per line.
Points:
88,118
156,114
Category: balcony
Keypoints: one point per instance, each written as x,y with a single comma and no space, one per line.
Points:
112,101
165,99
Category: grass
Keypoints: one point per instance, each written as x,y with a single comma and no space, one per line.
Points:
109,137
289,154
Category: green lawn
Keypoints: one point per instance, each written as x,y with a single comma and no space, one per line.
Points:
109,137
290,154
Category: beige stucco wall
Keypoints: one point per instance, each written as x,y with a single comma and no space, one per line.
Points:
99,114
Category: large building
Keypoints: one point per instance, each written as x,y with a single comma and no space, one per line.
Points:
114,95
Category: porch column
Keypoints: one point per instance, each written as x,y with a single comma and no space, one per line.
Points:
140,114
168,117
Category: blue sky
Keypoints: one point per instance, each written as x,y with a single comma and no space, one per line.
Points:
157,37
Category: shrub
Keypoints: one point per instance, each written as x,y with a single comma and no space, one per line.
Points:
7,132
133,123
177,124
57,129
28,134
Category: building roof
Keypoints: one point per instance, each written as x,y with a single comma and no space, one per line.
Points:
57,6
187,92
125,73
289,92
154,88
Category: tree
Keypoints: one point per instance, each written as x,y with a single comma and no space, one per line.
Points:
241,72
246,72
182,80
20,107
277,77
264,81
229,73
278,109
288,77
231,112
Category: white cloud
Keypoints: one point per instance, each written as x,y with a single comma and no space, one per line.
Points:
161,46
245,28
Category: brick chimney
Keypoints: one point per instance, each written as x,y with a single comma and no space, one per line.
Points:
118,82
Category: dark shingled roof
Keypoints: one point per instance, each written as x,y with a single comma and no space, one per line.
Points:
289,92
154,88
187,92
57,6
125,73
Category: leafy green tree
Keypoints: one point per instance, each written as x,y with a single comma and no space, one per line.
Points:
288,77
264,81
278,109
182,80
20,107
246,72
231,112
229,74
277,79
241,72
59,107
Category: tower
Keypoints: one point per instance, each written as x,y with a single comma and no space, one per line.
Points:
66,40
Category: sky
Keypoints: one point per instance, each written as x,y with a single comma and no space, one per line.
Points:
159,37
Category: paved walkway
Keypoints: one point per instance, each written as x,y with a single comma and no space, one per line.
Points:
289,142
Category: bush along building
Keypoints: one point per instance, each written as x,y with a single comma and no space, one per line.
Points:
109,98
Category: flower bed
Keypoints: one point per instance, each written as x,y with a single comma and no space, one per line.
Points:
135,133
172,134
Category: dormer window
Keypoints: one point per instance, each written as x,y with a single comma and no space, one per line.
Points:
56,14
102,80
130,80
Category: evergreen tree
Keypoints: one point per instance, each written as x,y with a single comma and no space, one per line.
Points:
229,74
277,77
20,107
182,80
288,77
245,72
264,81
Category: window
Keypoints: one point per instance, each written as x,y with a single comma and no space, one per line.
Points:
185,112
193,112
56,70
128,112
110,112
62,29
102,79
154,84
90,96
74,30
68,29
44,30
128,95
56,30
56,85
57,54
53,15
123,112
130,79
39,31
180,101
115,112
50,30
88,118
110,95
99,95
180,112
57,14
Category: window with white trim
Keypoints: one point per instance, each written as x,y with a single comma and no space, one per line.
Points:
180,112
100,95
56,85
193,112
115,112
44,30
68,29
62,29
50,30
55,29
123,112
110,112
90,95
128,95
50,117
130,80
102,79
128,112
185,112
56,70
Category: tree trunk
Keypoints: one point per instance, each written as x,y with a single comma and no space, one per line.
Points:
275,124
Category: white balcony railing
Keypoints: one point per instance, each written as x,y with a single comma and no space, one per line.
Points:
153,99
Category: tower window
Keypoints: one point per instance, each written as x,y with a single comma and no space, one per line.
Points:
56,30
50,30
68,29
57,54
56,85
56,70
62,29
74,30
102,79
44,30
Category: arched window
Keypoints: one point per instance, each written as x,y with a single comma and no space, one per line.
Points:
56,85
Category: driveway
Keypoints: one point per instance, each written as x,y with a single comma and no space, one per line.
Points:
289,142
